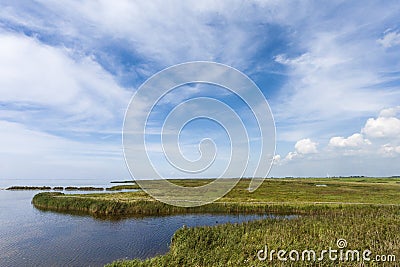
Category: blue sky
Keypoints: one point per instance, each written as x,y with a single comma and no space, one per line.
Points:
329,70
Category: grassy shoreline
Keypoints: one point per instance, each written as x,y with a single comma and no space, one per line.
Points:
363,228
364,211
101,207
281,196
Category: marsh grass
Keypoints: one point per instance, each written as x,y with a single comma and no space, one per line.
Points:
83,188
149,207
365,227
282,196
123,187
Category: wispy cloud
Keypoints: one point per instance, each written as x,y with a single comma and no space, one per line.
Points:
45,84
390,39
337,72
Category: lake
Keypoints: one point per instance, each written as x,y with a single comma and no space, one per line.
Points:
30,237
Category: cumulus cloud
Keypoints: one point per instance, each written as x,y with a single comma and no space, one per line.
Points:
291,155
354,141
276,159
306,146
385,127
302,147
382,144
390,112
382,127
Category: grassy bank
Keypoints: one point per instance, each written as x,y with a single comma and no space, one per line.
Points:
363,227
274,195
137,206
123,187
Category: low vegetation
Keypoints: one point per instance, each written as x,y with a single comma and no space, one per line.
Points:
136,206
58,188
363,227
123,187
123,182
83,188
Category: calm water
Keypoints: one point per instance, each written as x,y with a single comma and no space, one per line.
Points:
29,237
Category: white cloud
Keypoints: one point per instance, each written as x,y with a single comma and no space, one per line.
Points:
353,155
354,141
390,39
382,127
291,155
385,127
321,78
160,32
389,150
276,159
390,112
306,146
302,147
330,78
47,78
51,102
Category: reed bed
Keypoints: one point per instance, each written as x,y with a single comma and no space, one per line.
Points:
366,227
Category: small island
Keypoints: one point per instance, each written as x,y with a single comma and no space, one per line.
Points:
74,188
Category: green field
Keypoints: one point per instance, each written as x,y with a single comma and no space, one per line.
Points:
364,211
